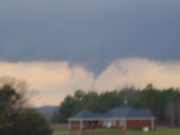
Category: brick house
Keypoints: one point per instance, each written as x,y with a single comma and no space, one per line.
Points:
121,117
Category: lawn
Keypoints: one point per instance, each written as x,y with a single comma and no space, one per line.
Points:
162,131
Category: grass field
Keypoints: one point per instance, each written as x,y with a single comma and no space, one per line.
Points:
162,131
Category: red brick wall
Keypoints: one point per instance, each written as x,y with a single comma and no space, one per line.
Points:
87,125
117,124
96,124
75,125
138,123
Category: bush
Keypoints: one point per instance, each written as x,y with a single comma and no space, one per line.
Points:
29,122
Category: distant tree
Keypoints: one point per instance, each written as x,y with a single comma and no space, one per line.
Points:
79,95
172,111
129,94
150,98
89,102
157,100
108,100
67,108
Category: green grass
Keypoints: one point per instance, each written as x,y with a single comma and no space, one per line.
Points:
162,131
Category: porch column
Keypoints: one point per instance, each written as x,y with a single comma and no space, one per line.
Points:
125,126
125,123
81,124
152,123
69,124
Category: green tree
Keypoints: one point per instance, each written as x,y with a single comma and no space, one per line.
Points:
89,102
67,108
9,107
14,118
156,99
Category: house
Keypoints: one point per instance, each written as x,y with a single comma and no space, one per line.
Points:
121,117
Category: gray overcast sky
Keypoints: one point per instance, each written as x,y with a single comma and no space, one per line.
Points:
90,32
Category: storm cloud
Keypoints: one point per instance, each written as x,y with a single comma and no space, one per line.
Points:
90,32
59,46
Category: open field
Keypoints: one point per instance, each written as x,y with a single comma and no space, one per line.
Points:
162,131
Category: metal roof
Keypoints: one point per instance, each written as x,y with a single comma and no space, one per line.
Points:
86,115
128,112
119,112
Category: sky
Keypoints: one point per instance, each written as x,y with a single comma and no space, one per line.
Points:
58,46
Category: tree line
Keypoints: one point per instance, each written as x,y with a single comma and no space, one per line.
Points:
164,103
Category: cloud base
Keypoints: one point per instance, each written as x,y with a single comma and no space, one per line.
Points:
54,80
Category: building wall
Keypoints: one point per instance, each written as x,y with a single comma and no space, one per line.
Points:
86,124
75,125
92,124
116,124
139,123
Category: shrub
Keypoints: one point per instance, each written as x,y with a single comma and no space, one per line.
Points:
30,122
